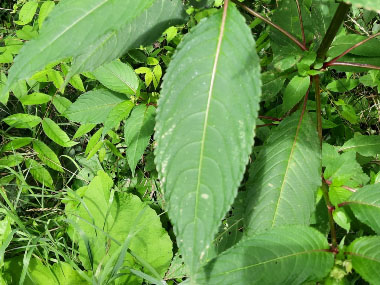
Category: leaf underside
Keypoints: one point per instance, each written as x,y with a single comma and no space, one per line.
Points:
287,255
285,177
205,127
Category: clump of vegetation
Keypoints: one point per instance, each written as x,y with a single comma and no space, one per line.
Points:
198,142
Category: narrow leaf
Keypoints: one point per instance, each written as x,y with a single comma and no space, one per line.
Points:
205,127
285,176
138,129
295,91
39,172
47,156
56,134
16,143
287,255
22,121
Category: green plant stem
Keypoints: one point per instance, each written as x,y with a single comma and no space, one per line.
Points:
333,29
287,34
316,79
362,65
330,208
351,48
301,23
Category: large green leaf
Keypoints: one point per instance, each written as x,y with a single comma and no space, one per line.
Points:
138,129
322,12
39,172
205,127
365,204
365,145
365,255
94,32
38,273
93,106
286,255
366,4
285,176
108,221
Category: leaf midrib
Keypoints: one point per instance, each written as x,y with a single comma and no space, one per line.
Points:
205,123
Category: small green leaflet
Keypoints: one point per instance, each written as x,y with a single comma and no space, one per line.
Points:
16,143
35,99
285,255
117,76
342,85
11,160
93,106
27,13
138,130
365,145
56,134
22,121
285,177
365,204
205,127
295,91
45,10
365,255
39,173
117,114
46,155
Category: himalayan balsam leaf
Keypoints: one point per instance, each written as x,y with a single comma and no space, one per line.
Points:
205,127
118,77
286,255
366,4
93,106
138,130
365,204
365,145
285,176
109,28
365,255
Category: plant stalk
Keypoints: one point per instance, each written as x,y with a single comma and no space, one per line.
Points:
269,22
331,209
354,64
333,29
301,23
318,108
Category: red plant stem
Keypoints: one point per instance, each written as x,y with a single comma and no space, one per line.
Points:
362,65
301,23
331,209
319,108
328,182
287,34
351,48
271,118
